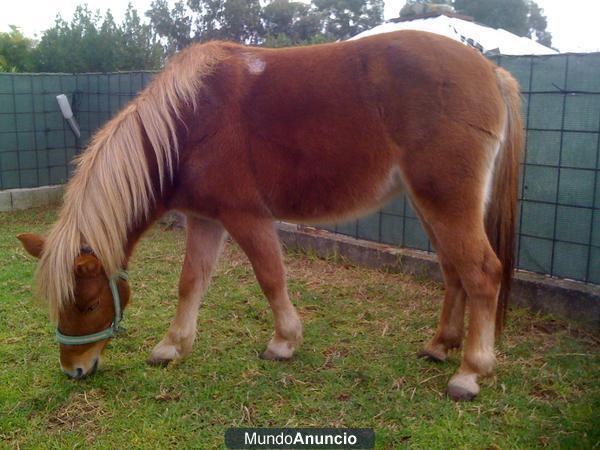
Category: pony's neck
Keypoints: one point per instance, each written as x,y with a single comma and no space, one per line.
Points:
136,233
124,174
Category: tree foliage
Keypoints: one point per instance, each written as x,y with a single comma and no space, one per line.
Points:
95,43
277,23
16,51
173,25
537,23
290,23
345,18
233,20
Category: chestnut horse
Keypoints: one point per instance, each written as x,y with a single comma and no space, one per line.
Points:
237,137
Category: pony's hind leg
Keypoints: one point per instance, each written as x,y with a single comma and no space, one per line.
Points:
450,330
203,246
472,273
464,243
258,239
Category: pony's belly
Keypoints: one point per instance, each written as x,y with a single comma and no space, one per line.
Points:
340,216
361,202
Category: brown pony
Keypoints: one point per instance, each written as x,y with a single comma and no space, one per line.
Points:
238,137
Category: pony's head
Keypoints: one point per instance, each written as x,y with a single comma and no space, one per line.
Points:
88,320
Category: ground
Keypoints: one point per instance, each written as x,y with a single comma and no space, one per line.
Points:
357,367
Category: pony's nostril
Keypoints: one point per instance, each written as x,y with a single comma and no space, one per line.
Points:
79,373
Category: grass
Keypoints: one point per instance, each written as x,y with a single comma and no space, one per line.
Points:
357,366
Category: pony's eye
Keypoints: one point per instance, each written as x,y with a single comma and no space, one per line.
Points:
93,306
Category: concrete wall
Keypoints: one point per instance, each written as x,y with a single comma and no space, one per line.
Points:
572,300
14,199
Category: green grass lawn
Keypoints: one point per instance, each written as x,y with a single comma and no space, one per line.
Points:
357,367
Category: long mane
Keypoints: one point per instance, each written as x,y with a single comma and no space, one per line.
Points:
112,188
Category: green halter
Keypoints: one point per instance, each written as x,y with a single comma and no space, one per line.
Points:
108,332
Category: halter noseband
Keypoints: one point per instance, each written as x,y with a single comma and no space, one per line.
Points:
108,332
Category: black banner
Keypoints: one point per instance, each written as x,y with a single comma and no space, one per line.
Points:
299,438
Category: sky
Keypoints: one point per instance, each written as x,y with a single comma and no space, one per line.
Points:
573,24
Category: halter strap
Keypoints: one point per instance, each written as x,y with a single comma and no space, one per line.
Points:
109,332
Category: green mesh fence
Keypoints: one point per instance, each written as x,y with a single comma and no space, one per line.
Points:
36,145
559,211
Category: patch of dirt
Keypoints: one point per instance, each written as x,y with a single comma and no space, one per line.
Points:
545,393
167,395
344,397
547,327
361,283
333,353
83,411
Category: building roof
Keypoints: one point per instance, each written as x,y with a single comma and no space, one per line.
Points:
488,40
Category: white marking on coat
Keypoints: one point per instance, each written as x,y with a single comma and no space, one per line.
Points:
255,64
392,184
489,176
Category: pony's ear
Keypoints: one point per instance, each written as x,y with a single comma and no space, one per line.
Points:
33,244
87,266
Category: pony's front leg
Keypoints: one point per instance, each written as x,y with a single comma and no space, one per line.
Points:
259,240
204,243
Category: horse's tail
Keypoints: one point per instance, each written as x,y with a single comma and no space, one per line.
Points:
502,207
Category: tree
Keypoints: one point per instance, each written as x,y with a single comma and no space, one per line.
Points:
345,18
233,20
95,43
67,47
537,24
288,23
140,48
16,51
522,17
173,25
277,23
203,20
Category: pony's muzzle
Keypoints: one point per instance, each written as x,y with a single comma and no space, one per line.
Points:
79,373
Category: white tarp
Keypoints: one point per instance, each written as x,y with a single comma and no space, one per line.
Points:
496,40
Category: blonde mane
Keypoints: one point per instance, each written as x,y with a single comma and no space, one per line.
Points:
112,190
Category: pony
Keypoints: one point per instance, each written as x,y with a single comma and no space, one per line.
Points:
237,137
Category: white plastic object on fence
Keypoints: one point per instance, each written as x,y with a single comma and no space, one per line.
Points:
67,112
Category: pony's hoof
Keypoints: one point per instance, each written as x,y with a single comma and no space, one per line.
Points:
278,350
163,354
270,355
158,362
432,355
460,394
463,387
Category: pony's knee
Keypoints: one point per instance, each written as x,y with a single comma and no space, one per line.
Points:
482,279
